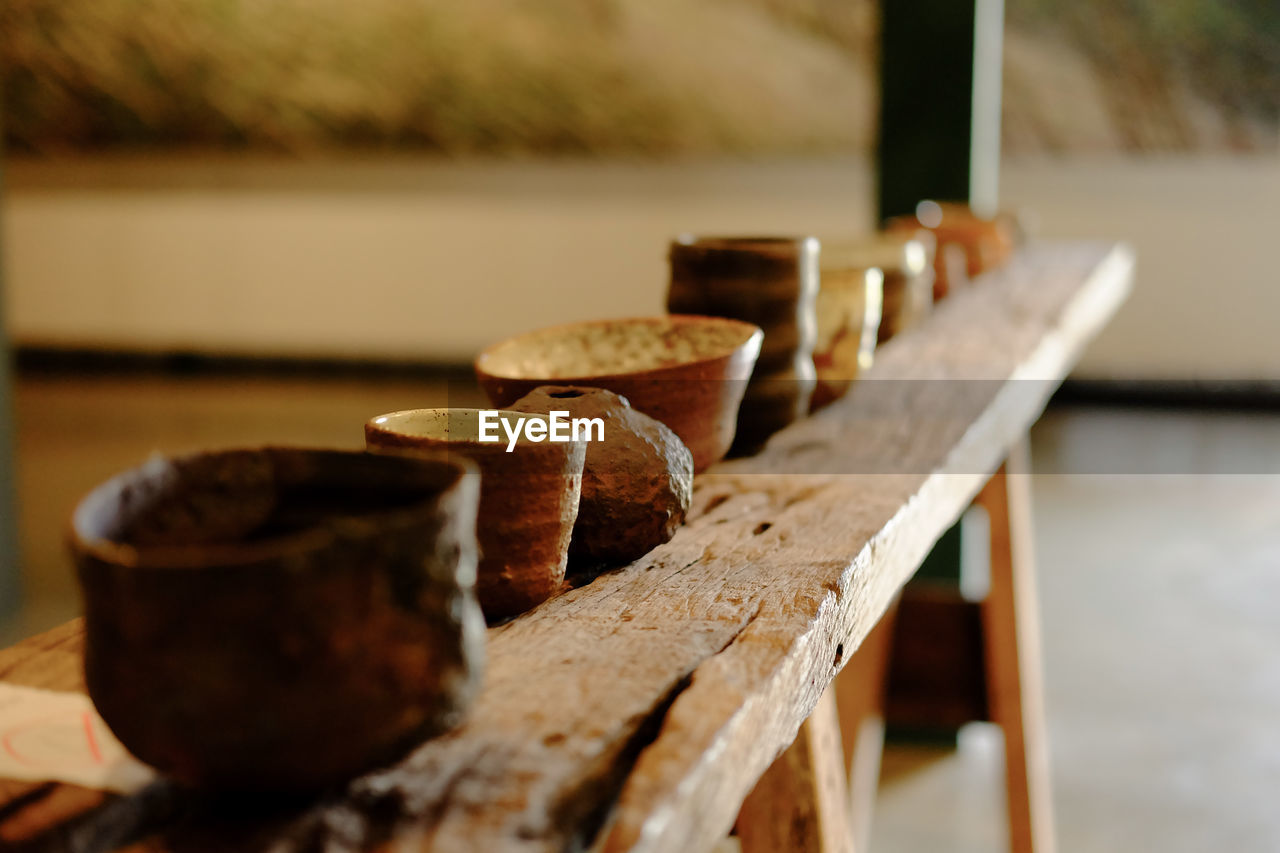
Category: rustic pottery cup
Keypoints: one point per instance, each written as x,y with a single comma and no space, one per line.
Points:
528,498
689,372
905,259
985,243
771,282
848,311
908,282
279,619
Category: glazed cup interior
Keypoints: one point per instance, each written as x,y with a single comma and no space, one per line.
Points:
451,427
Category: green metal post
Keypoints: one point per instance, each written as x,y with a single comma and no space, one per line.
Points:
940,74
940,77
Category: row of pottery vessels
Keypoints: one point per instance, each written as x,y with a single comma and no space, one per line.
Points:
824,305
281,619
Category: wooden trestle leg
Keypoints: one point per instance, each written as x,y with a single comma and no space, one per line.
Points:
860,695
819,794
800,804
1011,631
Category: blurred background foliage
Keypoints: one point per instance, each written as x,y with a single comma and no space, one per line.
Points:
605,77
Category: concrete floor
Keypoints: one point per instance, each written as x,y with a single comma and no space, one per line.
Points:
1158,548
1158,540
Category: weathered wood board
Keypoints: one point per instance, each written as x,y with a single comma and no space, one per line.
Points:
636,713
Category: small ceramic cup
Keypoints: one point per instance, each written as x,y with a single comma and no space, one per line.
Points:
848,312
279,619
528,498
905,259
771,282
908,283
968,244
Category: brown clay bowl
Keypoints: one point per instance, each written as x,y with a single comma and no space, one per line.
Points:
528,499
689,372
279,619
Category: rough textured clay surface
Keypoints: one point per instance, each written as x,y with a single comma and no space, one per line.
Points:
636,483
528,501
277,619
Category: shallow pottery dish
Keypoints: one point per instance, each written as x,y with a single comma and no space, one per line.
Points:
636,484
771,282
528,499
688,372
279,619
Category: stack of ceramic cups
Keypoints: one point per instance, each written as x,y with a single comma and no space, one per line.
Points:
773,283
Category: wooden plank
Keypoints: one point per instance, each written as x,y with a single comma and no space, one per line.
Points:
638,711
1023,327
1011,628
52,660
801,803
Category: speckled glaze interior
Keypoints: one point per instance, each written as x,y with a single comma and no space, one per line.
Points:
614,347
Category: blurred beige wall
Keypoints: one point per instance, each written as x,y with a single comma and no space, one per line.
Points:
432,260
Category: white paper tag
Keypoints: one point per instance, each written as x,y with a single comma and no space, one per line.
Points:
50,736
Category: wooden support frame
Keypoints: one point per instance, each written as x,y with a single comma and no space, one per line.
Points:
1011,630
951,652
860,699
801,803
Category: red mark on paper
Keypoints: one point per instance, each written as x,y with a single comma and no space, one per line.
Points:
54,741
91,738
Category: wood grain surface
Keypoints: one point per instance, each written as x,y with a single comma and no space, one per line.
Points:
637,712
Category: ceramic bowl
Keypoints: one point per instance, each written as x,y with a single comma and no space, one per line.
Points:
689,372
771,282
279,619
528,499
